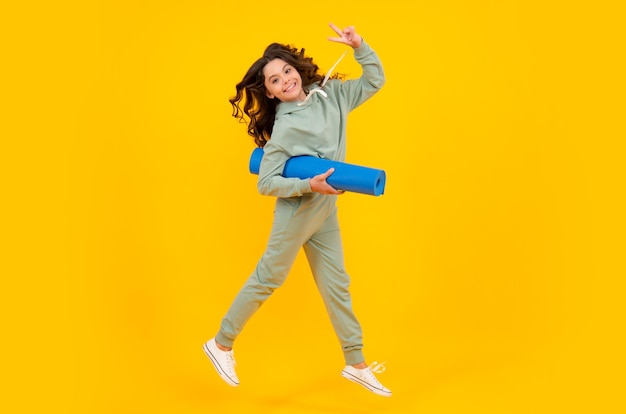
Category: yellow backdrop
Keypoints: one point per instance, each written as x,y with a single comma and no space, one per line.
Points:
488,276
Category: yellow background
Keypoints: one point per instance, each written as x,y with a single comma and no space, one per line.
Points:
489,276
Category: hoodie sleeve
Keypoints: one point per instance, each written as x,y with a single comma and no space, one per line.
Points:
359,90
271,182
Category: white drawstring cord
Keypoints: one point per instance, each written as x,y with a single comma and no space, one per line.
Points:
318,89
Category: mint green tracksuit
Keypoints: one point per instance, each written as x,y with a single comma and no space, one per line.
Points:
303,218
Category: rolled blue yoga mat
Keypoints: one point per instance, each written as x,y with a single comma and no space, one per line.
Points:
347,177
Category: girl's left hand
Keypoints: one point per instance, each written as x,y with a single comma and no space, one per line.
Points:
347,36
319,184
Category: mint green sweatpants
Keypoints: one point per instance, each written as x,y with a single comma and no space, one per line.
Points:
310,222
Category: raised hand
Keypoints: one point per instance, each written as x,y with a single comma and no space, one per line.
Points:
347,36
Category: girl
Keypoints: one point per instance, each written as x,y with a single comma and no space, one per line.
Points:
293,111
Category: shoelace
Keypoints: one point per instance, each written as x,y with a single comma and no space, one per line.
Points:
318,89
378,368
374,367
230,357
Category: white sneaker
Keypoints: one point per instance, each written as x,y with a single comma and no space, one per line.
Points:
223,361
366,378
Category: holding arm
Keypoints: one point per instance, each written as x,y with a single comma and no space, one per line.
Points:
272,183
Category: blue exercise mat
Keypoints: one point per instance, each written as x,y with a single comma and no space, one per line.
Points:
347,177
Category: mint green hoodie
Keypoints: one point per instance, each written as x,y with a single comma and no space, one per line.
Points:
318,127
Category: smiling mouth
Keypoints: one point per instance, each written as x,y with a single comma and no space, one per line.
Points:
290,88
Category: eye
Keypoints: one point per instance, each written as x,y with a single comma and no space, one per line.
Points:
287,70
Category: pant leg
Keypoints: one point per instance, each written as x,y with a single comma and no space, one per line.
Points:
289,233
324,252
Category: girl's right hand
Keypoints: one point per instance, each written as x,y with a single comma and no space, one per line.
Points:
319,184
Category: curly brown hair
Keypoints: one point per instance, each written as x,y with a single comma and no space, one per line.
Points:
257,107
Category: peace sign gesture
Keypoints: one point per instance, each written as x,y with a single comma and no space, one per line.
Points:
347,36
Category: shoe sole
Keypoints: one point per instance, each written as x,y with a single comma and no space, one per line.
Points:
357,380
218,368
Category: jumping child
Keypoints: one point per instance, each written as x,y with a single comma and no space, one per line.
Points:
292,110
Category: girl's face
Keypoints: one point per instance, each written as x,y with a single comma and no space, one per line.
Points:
283,81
